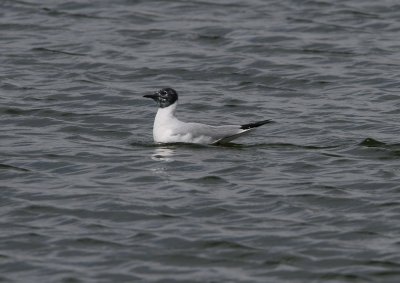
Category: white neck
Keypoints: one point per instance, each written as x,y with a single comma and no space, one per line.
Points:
164,121
165,115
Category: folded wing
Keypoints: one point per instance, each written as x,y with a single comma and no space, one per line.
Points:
202,133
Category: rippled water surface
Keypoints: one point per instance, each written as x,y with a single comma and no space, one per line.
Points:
87,197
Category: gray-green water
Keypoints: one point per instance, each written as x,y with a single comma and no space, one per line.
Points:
87,197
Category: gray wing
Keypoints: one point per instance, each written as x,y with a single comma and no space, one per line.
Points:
217,134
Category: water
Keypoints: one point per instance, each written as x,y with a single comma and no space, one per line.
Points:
87,197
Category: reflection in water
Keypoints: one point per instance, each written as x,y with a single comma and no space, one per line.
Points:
163,154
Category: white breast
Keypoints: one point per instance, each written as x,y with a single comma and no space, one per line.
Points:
164,124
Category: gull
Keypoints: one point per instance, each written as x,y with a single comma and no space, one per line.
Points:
168,129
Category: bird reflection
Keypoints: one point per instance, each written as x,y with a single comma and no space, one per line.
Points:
163,154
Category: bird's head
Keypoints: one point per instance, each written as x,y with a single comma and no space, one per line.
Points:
164,97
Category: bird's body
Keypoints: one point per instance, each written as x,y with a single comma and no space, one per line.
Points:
168,129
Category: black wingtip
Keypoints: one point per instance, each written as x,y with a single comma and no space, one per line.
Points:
254,125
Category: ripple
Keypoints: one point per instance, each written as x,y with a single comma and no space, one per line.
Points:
10,167
42,49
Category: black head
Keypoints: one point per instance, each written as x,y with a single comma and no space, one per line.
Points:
164,97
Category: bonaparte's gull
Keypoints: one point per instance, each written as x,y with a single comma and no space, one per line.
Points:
168,129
